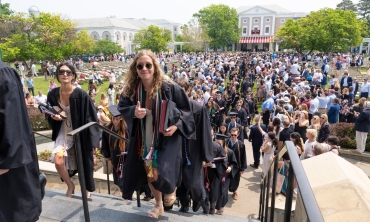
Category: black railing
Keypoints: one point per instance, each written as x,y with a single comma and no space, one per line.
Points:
81,174
296,172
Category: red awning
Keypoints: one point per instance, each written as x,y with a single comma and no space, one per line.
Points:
255,39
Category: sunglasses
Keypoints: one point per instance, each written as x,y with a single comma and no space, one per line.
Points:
141,67
61,72
234,135
233,117
322,118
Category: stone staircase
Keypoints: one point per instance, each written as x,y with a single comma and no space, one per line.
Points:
102,207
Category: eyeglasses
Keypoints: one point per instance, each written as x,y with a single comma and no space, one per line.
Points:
234,135
141,67
61,72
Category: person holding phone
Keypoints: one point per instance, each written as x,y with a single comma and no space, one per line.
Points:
79,109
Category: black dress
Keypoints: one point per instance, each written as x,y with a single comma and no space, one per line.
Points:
169,158
20,196
301,130
83,111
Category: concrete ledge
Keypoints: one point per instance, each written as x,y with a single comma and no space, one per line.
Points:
55,182
365,157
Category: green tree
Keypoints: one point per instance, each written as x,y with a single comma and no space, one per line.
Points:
347,5
107,47
325,30
195,35
82,44
5,9
363,9
221,23
153,38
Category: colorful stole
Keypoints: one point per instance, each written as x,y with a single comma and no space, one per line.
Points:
141,139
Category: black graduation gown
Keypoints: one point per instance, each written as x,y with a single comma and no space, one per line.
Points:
223,195
241,158
83,111
197,151
108,150
213,176
169,157
243,116
20,196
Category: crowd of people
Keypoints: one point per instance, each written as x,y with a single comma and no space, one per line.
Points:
219,102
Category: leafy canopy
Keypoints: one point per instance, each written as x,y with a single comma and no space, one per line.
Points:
195,36
347,5
325,30
153,38
221,24
5,9
107,47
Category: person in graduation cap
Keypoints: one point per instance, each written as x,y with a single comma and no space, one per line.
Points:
238,148
112,148
153,157
233,112
231,172
221,103
79,110
20,194
233,124
194,153
213,176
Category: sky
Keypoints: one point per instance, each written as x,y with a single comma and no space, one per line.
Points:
173,10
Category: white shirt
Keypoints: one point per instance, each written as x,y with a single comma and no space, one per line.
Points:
318,76
365,88
314,105
294,69
40,99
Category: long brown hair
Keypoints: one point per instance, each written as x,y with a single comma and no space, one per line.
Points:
132,78
122,127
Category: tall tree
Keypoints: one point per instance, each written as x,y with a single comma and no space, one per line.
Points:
195,35
363,9
221,23
347,5
153,38
82,44
107,47
5,9
325,30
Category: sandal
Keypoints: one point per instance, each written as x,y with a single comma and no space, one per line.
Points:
169,199
156,211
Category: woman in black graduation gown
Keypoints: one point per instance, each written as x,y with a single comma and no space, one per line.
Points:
81,110
113,149
231,171
153,157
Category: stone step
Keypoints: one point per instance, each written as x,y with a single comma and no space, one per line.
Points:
56,207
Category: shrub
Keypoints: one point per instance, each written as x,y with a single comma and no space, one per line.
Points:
37,119
347,136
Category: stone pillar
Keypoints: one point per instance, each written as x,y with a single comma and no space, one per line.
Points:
276,47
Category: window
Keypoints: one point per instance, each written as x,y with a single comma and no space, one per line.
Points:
267,29
255,28
174,29
95,37
130,38
124,37
256,20
283,20
245,21
117,37
267,20
244,30
106,36
175,35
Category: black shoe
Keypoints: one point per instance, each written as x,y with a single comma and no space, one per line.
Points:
212,211
167,208
184,209
196,206
205,207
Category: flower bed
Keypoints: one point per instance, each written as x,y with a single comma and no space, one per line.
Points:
37,119
347,135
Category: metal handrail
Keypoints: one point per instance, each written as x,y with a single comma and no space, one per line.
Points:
81,172
295,171
42,135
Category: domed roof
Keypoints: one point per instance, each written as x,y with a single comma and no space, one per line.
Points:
33,9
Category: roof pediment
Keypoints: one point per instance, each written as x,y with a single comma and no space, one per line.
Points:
261,9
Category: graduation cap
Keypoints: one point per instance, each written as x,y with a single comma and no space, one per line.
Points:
232,114
221,136
114,111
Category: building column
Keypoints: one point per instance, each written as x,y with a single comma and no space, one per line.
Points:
276,47
360,50
262,28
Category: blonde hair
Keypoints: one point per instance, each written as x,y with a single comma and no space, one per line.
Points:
312,132
325,118
345,91
132,78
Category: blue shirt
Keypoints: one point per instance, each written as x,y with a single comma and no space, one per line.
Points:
29,83
269,104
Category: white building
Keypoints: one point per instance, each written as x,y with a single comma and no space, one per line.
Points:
122,30
259,23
